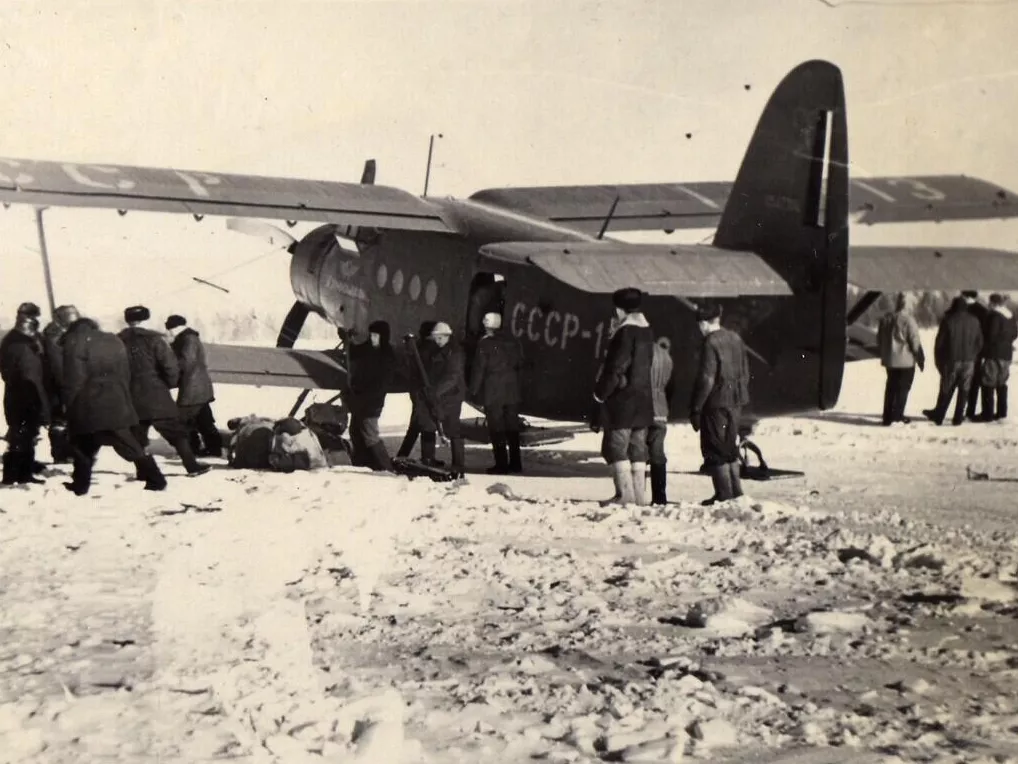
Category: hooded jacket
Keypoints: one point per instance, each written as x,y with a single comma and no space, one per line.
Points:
1000,333
959,338
898,339
371,372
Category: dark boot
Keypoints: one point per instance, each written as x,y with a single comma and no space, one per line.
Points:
191,464
735,478
500,448
458,468
10,468
151,474
986,415
28,470
60,445
721,477
1002,402
971,397
658,484
960,406
81,477
428,441
515,460
380,461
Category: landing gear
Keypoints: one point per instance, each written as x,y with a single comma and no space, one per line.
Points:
748,471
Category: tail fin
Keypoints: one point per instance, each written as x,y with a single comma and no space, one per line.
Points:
789,204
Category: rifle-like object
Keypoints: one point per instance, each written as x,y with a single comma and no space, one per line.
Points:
429,398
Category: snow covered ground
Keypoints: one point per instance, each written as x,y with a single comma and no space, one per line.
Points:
863,613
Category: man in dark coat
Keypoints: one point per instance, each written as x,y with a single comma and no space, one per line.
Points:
495,383
154,371
97,393
981,313
423,345
623,386
52,337
26,397
373,365
194,389
443,398
957,347
1000,332
720,391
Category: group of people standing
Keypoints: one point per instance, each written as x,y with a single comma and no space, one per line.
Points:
632,393
973,352
93,388
436,367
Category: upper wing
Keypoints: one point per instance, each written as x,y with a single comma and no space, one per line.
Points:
153,189
666,206
916,269
681,270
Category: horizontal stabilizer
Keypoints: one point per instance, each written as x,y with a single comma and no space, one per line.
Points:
66,184
682,270
275,367
666,206
908,269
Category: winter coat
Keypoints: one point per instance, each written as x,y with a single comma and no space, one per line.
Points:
623,385
959,338
723,379
495,376
154,371
661,369
52,341
195,385
981,313
371,373
97,382
23,369
1000,333
898,339
444,367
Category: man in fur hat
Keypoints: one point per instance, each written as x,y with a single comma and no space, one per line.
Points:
194,391
154,372
623,386
720,391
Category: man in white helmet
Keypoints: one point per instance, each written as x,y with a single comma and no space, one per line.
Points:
448,389
495,383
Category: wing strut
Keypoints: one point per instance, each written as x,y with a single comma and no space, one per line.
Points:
45,259
861,307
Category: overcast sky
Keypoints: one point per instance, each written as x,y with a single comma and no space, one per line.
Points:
524,93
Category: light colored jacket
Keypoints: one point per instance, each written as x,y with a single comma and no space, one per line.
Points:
898,339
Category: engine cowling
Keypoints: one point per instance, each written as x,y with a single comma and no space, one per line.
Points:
330,278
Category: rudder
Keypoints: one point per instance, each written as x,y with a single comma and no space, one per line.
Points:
789,204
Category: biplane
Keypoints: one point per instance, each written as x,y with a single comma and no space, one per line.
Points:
779,263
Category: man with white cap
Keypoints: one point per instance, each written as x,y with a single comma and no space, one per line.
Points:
448,389
495,383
